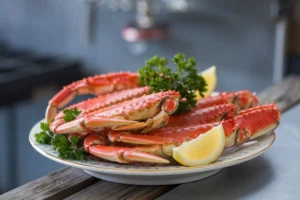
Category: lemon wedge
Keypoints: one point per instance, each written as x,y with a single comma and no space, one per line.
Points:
204,149
210,76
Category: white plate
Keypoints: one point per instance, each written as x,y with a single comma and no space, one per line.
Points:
158,174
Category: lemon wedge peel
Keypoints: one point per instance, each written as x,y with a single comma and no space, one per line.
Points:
210,76
204,149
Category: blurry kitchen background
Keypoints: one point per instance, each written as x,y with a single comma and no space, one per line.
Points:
47,44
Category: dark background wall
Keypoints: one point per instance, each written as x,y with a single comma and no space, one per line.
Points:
235,35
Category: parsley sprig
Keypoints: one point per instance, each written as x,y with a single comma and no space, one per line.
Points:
71,114
45,136
67,149
185,80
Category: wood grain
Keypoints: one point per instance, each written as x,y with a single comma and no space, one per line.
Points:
71,183
57,185
110,191
285,94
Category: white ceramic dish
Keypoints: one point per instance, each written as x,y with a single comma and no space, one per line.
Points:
158,174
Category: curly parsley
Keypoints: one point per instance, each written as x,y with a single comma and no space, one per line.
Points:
71,114
67,149
45,136
185,80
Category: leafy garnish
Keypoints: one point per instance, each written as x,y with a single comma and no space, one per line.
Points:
71,114
45,136
45,126
67,149
185,80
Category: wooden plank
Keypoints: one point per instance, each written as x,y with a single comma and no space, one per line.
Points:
151,192
57,185
285,94
110,191
75,184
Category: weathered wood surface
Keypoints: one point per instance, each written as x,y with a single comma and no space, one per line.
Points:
285,94
110,191
57,185
73,183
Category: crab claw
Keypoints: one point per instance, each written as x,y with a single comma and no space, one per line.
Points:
94,139
168,107
95,144
124,154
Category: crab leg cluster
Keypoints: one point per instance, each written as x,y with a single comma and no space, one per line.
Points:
147,112
247,125
95,104
125,124
99,84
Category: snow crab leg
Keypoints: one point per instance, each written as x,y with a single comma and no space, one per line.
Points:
144,113
99,84
204,115
249,124
96,145
97,103
216,108
242,99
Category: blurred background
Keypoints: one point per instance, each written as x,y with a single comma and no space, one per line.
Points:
47,44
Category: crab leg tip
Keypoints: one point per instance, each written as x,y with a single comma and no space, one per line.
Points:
50,113
144,157
124,154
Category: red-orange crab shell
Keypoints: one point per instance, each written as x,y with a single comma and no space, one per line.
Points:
102,101
204,115
99,84
242,99
248,125
144,113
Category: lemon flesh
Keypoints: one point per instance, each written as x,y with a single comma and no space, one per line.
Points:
210,76
204,149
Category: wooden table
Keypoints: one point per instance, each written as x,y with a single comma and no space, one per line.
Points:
71,183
